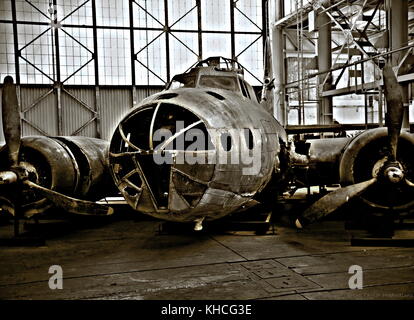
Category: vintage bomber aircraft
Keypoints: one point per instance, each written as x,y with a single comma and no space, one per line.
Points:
211,100
214,98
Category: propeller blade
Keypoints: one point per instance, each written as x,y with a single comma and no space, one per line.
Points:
6,205
11,120
331,202
70,204
267,63
395,109
409,183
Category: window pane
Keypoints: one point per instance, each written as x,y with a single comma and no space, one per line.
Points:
248,15
7,66
112,13
38,53
215,15
183,51
74,56
249,52
5,10
227,83
151,66
75,12
114,57
215,44
149,14
182,14
37,12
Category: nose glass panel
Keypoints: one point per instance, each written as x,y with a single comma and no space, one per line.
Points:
144,147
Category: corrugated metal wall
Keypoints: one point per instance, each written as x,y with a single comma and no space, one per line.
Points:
43,115
114,104
74,115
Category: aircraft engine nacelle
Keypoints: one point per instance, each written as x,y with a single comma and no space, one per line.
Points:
189,154
361,160
75,166
353,160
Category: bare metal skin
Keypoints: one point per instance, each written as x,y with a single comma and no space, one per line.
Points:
218,189
218,98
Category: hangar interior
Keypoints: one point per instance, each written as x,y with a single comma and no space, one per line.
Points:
80,66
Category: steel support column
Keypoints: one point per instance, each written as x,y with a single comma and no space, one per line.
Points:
167,39
132,50
324,54
278,44
57,81
232,35
199,28
398,15
16,43
96,72
16,56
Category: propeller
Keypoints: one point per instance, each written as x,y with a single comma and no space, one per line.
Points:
268,82
391,171
18,175
70,204
395,110
11,120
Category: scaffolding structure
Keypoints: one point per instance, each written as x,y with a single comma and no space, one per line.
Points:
336,49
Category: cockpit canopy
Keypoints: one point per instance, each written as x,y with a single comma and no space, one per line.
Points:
215,72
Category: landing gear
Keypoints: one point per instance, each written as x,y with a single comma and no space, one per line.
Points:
198,224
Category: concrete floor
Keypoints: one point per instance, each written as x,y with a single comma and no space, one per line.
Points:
131,260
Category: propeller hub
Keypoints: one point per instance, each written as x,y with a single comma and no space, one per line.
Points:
18,173
394,174
21,172
28,171
7,177
391,171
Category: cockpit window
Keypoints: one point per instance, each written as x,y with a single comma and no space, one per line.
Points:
251,92
227,83
244,90
182,82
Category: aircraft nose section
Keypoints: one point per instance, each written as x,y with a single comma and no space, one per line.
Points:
159,159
